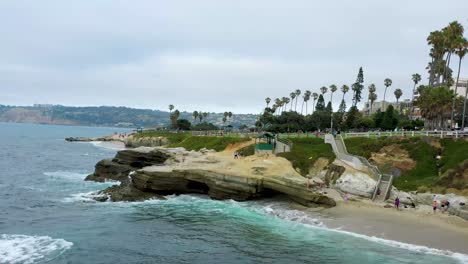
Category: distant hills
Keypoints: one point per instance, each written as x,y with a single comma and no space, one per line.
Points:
105,116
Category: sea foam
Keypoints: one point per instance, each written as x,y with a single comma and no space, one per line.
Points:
30,249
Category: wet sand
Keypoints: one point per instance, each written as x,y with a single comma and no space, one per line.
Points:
413,226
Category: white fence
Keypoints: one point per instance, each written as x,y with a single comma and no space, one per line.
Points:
439,134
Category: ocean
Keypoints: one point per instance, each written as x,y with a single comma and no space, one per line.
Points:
47,215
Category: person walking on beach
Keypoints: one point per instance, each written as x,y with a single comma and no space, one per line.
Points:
397,203
434,206
236,155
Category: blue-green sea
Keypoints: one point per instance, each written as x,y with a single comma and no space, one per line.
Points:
47,216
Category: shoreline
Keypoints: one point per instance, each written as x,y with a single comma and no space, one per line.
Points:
418,227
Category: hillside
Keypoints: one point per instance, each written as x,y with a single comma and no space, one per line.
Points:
104,116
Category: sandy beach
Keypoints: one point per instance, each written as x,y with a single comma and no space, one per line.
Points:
413,226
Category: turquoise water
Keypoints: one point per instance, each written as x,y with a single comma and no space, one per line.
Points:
48,216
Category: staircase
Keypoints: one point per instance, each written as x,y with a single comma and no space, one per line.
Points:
385,186
384,181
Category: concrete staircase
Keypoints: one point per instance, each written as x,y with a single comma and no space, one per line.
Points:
384,186
384,181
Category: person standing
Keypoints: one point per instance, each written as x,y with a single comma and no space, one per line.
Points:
397,203
434,206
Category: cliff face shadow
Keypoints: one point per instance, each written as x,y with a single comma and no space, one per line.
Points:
197,187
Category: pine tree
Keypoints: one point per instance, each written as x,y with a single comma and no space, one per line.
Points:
320,103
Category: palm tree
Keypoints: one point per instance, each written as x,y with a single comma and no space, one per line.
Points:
306,98
292,95
387,83
323,89
333,89
314,97
461,50
344,90
285,102
416,79
195,115
278,105
200,116
398,93
268,100
372,90
230,116
372,98
298,92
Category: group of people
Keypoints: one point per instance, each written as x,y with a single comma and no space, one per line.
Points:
121,135
444,205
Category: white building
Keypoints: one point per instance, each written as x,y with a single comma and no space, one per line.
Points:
462,86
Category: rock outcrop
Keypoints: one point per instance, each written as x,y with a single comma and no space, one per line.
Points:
148,172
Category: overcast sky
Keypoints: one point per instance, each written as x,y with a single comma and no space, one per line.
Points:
210,55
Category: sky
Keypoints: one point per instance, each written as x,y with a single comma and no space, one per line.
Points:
211,55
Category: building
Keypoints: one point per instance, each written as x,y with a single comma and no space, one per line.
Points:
462,86
379,105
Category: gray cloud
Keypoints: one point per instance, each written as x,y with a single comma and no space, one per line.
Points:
209,55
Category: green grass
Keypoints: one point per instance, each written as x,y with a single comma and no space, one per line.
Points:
454,153
426,171
199,142
306,151
364,147
172,137
247,151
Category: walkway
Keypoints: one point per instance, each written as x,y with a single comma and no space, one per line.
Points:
384,181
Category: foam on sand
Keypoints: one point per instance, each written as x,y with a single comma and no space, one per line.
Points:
29,249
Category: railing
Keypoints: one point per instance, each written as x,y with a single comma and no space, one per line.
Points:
440,134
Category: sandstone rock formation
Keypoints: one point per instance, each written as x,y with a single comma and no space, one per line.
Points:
149,172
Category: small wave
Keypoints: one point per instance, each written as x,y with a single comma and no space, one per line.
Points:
415,248
29,249
280,210
67,175
113,145
86,197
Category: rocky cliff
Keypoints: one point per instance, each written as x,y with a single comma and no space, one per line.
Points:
147,172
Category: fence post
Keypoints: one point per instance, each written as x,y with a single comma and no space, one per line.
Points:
412,133
456,134
427,133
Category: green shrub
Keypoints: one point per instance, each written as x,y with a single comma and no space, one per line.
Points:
306,151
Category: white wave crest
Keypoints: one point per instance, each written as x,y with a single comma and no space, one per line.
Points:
86,197
112,145
29,249
67,175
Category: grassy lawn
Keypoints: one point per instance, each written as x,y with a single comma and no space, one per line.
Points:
306,151
172,137
216,143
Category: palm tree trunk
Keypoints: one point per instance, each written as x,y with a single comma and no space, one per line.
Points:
431,74
383,103
302,109
371,103
455,97
331,101
412,102
295,106
464,109
306,107
313,106
449,55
